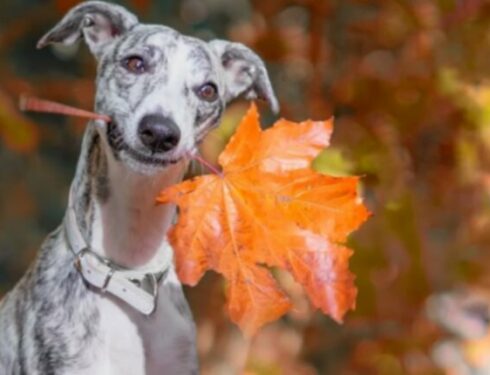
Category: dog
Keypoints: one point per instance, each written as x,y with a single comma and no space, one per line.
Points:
102,296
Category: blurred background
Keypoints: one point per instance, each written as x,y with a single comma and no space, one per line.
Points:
408,84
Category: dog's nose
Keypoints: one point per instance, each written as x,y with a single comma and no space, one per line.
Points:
158,133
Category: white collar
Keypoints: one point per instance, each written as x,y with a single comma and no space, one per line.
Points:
138,288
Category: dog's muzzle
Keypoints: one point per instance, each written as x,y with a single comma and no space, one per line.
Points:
156,142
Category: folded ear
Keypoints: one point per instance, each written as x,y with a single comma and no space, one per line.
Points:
97,22
245,73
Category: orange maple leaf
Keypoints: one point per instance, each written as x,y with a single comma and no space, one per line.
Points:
269,208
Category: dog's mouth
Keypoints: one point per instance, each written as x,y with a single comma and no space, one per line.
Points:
119,145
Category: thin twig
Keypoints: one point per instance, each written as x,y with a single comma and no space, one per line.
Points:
47,106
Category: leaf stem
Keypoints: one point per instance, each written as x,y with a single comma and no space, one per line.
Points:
207,164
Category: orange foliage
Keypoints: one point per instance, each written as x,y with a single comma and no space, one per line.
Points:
64,6
269,207
16,131
142,6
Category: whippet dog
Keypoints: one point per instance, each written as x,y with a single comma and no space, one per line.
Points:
102,297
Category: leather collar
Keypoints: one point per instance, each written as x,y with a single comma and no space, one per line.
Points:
138,288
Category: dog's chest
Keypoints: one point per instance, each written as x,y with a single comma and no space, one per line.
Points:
132,343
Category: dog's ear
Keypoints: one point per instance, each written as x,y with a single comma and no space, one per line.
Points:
245,73
95,21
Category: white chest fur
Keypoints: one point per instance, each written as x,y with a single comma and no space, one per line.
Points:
130,343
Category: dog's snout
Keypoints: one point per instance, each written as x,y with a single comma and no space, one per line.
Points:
158,133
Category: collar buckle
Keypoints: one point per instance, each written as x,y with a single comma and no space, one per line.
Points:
140,290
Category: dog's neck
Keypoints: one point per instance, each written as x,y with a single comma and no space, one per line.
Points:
115,206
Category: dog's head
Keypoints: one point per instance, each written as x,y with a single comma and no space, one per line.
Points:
163,90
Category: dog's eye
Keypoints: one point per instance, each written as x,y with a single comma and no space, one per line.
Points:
135,64
208,92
